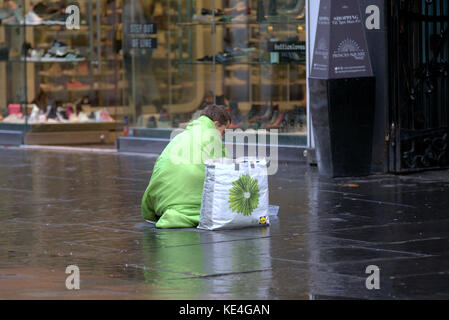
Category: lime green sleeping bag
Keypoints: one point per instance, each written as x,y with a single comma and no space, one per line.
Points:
173,196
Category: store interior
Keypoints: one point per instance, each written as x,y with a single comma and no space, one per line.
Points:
139,67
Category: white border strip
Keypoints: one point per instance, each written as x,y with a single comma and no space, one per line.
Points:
65,148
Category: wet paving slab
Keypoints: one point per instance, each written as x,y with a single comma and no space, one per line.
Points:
83,208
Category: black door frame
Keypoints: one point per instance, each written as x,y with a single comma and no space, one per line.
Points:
419,95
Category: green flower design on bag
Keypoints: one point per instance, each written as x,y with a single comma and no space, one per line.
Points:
244,195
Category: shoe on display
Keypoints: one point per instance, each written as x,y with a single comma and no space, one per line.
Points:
103,86
73,118
61,114
241,18
205,59
204,19
226,19
55,69
14,118
32,19
35,113
239,8
50,112
300,114
42,118
277,122
59,49
223,57
254,113
83,117
176,121
35,54
43,10
218,12
234,81
297,9
163,115
58,18
92,116
50,87
69,56
236,115
232,125
103,115
75,84
152,122
73,56
268,113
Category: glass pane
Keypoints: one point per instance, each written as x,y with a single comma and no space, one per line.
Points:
71,67
12,66
248,55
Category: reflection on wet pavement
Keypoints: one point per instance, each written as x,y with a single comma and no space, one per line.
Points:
64,208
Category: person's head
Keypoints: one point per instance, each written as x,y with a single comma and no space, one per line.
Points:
219,116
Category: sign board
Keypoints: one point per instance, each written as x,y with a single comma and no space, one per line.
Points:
143,43
287,46
142,28
139,36
341,49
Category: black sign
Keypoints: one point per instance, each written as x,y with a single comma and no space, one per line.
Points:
143,43
142,28
284,46
341,50
140,35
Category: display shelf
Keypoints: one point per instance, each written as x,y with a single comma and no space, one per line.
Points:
66,74
102,67
51,60
241,23
226,64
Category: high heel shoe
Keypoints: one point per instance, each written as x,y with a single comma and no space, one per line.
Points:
239,8
252,114
297,10
277,122
218,12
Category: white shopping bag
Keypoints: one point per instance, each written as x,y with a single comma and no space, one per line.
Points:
235,194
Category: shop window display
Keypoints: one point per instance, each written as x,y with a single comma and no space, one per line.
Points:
151,66
248,55
63,78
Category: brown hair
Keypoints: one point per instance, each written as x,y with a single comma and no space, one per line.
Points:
217,113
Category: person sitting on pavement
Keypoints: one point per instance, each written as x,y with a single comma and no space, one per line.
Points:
173,196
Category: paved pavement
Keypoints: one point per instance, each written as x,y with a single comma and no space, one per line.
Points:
83,208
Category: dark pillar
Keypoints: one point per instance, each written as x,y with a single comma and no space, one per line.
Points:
342,91
375,17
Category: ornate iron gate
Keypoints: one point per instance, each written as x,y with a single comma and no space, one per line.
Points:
419,113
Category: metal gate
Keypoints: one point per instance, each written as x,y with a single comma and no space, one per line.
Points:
419,113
